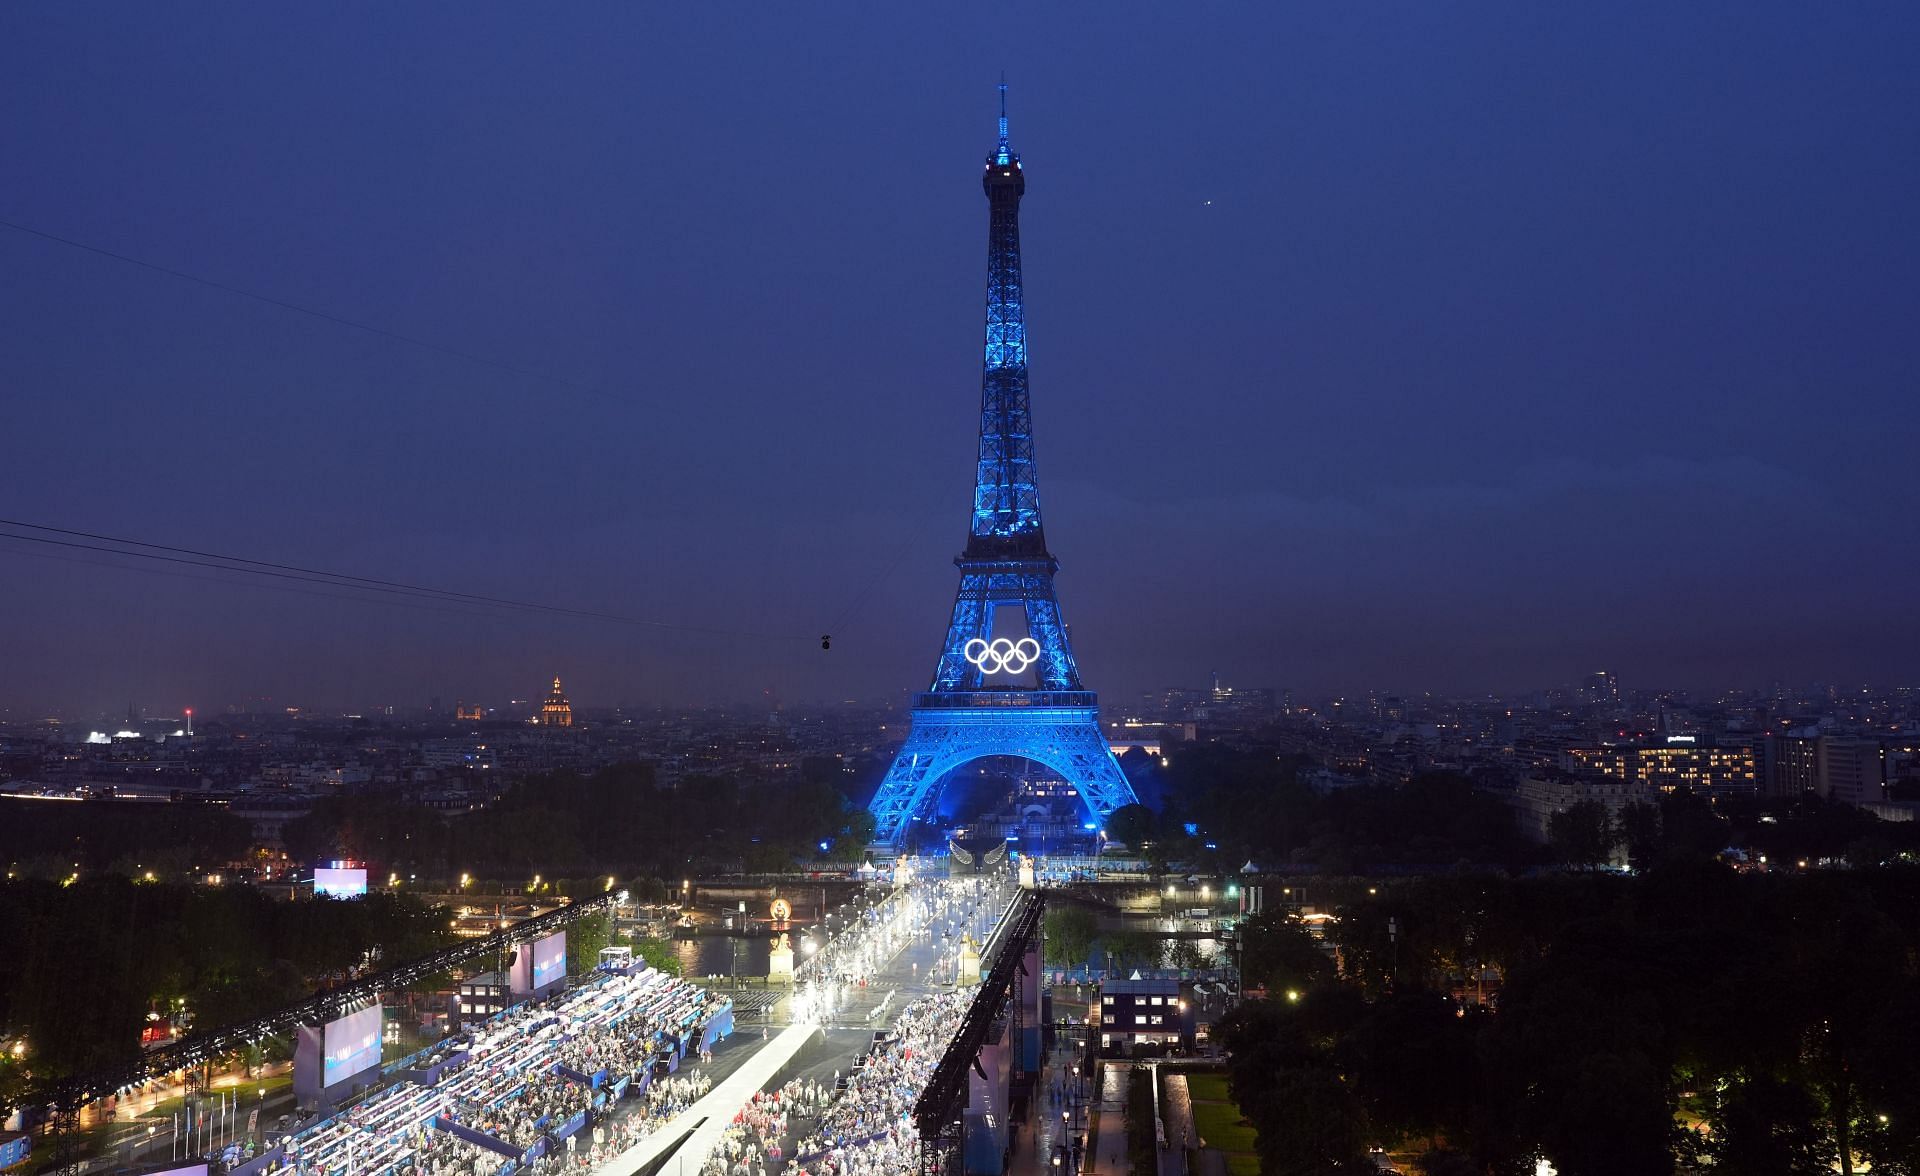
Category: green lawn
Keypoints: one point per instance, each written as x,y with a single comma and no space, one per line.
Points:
1219,1124
249,1089
1218,1121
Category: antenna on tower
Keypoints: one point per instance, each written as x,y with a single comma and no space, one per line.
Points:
1004,153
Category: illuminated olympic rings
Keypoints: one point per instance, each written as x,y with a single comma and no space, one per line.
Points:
1001,656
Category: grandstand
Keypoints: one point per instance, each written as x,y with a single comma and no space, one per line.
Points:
499,1097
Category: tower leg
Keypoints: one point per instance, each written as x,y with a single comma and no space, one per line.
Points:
1065,739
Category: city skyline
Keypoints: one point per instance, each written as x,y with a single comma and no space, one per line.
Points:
1441,355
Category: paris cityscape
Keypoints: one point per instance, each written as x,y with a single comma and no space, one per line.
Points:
523,652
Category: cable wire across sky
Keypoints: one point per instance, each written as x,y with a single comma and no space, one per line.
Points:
283,304
376,588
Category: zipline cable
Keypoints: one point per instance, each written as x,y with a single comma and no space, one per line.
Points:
295,307
140,549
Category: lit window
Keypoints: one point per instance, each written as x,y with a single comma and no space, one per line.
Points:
1106,1000
1156,1000
1111,1018
1140,1020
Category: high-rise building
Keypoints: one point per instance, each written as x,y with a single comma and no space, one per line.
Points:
1792,765
556,711
1850,769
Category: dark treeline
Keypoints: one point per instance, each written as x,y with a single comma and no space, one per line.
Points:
615,821
52,839
1257,805
1689,1016
88,962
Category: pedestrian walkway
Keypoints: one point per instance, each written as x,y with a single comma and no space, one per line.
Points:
1176,1114
1110,1147
712,1114
1058,1117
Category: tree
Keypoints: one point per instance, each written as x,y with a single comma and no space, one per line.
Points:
585,937
1309,1124
1133,949
659,953
1186,955
1769,1127
1689,826
1069,934
1406,1057
1581,835
1132,825
1639,828
1279,954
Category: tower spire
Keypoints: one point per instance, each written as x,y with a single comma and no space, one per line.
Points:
1006,503
1005,153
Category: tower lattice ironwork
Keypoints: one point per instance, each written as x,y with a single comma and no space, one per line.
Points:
1008,691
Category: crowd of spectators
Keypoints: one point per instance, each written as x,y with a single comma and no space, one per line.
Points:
509,1087
755,1143
865,1129
440,1154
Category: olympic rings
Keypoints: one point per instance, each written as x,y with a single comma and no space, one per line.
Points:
1001,656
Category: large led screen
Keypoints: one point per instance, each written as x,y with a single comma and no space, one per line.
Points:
352,1045
550,960
539,965
338,883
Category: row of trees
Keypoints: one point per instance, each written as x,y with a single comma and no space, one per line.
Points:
617,820
1074,938
1257,804
89,961
587,935
124,837
1690,1016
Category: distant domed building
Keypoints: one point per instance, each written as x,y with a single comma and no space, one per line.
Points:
556,711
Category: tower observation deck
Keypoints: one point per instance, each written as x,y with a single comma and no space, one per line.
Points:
1011,690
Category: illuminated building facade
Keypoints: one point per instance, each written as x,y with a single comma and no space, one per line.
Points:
1013,691
1140,1012
1666,767
556,711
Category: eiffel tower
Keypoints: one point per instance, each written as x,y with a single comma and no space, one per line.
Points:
1012,692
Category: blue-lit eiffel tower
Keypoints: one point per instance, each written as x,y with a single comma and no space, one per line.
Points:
1006,692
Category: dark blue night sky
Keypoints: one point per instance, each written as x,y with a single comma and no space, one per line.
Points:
1401,346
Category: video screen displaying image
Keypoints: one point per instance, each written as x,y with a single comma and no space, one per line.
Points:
550,959
338,883
352,1045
